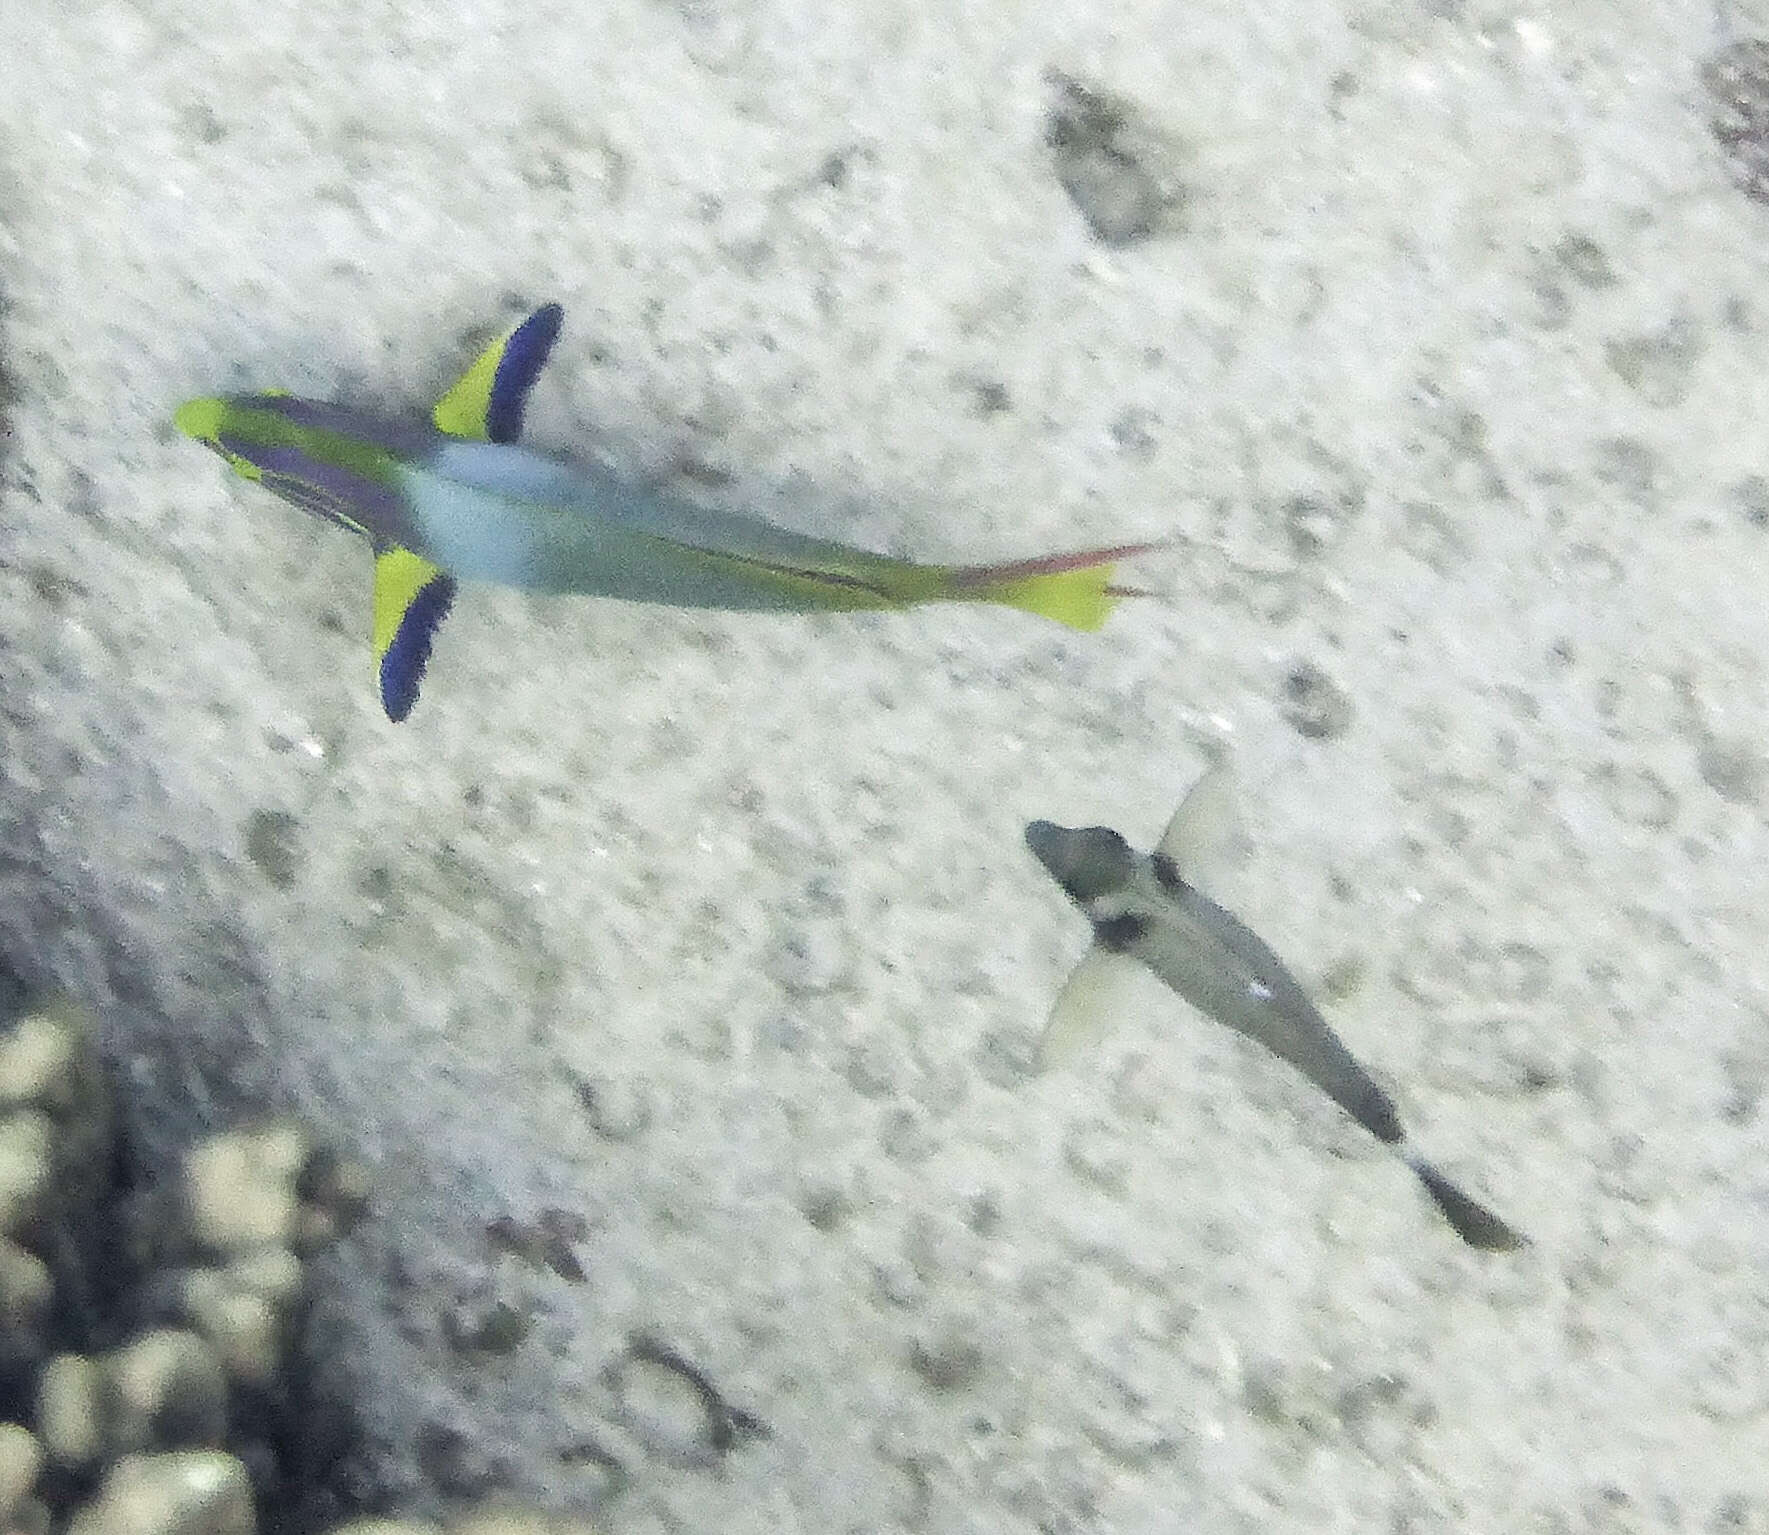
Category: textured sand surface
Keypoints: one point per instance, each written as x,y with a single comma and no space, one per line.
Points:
678,974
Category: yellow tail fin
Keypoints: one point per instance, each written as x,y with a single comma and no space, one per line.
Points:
1073,589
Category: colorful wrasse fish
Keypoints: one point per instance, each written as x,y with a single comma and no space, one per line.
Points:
1146,908
458,499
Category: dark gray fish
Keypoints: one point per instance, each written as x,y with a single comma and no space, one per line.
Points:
1143,908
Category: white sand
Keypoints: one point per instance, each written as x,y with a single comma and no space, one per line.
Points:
760,882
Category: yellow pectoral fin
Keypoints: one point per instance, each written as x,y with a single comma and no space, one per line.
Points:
412,597
486,404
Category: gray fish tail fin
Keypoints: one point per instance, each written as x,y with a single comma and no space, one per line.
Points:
1473,1222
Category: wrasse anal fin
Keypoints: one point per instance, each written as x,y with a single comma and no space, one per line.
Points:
412,597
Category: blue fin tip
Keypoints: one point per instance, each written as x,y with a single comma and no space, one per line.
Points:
402,668
525,354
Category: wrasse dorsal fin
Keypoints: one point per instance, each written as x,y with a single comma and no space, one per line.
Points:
486,403
1197,839
412,597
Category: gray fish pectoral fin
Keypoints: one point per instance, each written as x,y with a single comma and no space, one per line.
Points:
1473,1222
1084,1009
1202,827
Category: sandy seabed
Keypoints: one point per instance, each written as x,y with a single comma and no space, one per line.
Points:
678,974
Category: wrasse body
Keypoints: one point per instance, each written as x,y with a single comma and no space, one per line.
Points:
457,498
1144,907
